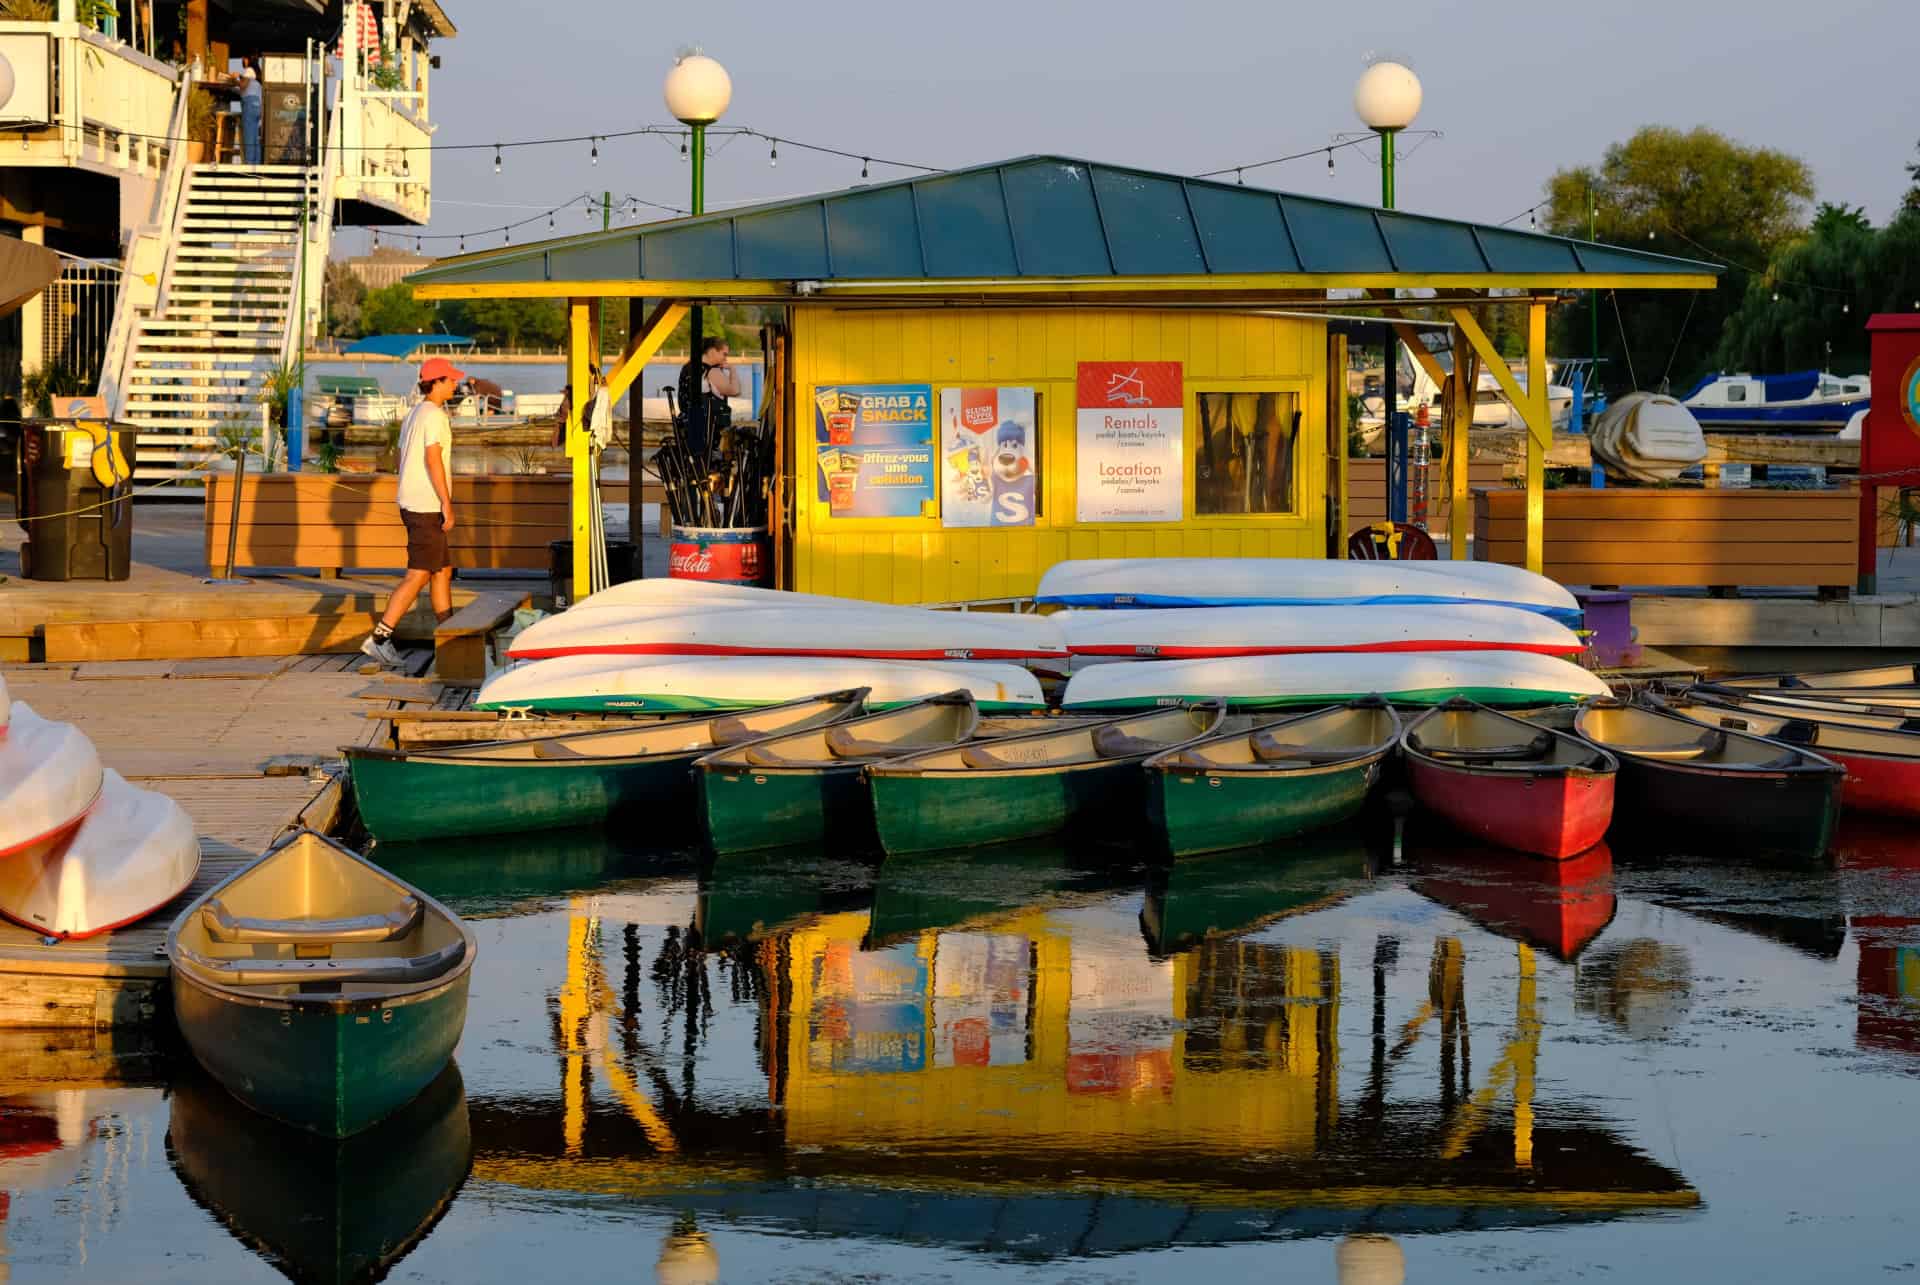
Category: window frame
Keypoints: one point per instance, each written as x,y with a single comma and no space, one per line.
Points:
1301,389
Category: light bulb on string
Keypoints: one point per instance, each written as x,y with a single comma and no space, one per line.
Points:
496,158
863,167
1329,162
1533,218
549,220
1239,177
596,151
1845,308
773,153
463,245
683,151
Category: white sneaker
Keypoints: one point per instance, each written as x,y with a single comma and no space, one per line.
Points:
383,650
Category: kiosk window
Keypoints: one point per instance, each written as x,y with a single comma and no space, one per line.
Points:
1243,457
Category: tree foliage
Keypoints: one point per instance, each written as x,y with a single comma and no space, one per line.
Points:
392,310
1809,307
1693,194
345,294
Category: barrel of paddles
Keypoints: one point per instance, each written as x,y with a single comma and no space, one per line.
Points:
721,555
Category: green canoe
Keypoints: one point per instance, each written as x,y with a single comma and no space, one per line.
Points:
1224,893
1273,781
319,989
628,776
1085,779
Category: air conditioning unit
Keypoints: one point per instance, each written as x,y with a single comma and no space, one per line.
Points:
26,79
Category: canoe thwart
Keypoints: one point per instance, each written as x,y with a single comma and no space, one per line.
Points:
222,925
384,969
1540,744
848,744
1271,750
1113,743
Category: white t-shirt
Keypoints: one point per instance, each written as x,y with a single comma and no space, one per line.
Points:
426,426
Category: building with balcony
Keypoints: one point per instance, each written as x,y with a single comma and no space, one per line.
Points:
191,273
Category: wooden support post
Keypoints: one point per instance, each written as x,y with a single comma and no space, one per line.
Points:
1337,434
580,345
1459,426
1540,436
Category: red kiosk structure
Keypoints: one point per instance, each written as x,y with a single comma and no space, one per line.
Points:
1890,440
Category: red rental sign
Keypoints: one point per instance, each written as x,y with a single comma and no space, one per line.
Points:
1104,384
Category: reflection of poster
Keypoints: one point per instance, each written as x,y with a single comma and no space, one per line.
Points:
1129,442
869,1010
874,446
1120,1022
982,998
987,438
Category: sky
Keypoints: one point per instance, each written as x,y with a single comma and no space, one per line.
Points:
1518,89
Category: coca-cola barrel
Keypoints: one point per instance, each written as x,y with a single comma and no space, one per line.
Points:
721,555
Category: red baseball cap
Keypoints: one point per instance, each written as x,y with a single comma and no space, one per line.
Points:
435,369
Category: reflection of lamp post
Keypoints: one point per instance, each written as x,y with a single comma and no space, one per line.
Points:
1387,99
698,90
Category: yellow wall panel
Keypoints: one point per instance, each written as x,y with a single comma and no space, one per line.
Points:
1003,350
1146,336
1032,343
1060,343
1203,340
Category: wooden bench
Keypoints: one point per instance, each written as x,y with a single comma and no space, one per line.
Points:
1656,536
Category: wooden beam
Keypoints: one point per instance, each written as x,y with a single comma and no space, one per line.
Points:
582,346
641,347
1340,446
1410,336
1501,374
1540,436
208,639
1460,389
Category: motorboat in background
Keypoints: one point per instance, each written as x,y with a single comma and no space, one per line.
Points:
1806,401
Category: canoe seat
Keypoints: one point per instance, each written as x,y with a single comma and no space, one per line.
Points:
1532,748
1267,750
1709,741
847,745
767,756
555,750
387,969
730,729
223,925
1112,743
985,760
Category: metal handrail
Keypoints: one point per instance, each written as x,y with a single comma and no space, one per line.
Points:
163,215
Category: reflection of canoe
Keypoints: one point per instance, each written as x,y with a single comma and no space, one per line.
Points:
630,774
322,1209
746,895
1558,906
961,887
1508,781
1085,777
1279,682
49,778
318,988
135,852
872,630
485,874
808,785
1223,893
1883,766
1272,782
1678,779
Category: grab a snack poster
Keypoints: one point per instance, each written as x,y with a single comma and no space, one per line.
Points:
874,447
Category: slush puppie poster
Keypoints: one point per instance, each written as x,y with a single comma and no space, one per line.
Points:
987,470
874,447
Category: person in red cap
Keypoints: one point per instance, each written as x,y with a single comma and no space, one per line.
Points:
426,507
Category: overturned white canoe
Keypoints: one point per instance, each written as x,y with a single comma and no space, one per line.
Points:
49,779
1298,582
135,852
646,685
865,630
645,595
1175,634
1407,678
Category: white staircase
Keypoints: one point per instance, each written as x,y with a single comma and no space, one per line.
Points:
227,304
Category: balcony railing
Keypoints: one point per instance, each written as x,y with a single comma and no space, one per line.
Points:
384,158
108,106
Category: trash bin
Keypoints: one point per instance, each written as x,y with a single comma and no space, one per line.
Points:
77,527
623,564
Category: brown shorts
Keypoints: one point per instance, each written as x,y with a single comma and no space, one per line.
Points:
426,541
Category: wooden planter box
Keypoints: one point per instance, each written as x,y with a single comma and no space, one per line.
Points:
1712,538
333,521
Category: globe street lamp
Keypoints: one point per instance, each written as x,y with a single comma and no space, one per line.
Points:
697,91
1387,98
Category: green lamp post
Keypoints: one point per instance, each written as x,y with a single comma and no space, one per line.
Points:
698,90
1387,99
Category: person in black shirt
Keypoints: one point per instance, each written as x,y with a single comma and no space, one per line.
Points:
705,386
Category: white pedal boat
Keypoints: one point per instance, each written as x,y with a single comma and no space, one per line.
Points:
49,778
1180,633
672,685
1266,682
1298,582
135,852
867,631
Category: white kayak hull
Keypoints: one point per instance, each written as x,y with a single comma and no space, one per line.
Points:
1272,682
1180,634
1299,582
648,685
650,595
866,630
133,854
49,780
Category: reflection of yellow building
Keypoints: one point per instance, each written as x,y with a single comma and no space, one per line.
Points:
1115,1049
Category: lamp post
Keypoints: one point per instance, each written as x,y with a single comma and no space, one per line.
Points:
1387,98
698,90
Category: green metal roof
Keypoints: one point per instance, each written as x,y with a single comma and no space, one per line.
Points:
1050,217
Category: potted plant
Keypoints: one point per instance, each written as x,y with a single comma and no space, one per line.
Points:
277,396
201,129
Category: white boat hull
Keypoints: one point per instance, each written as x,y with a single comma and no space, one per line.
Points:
1174,633
645,595
135,852
870,632
641,685
49,780
1262,682
1299,582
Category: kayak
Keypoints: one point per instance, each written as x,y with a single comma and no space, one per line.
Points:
641,685
50,779
807,786
319,989
864,630
1508,781
1084,779
1298,582
1179,634
1741,792
632,776
1273,781
1278,682
132,854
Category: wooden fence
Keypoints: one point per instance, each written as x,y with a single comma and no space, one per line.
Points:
1367,491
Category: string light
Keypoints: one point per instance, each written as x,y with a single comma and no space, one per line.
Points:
496,158
863,167
596,151
1329,162
550,220
773,153
683,151
1240,177
463,245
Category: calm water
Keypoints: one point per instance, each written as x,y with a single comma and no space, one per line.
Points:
1325,1063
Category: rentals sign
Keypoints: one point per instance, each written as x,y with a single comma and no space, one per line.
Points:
1130,444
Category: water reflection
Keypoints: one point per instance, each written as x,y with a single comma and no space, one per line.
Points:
321,1209
1225,893
489,874
1556,906
1880,862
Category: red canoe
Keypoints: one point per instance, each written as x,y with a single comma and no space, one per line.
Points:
1508,781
